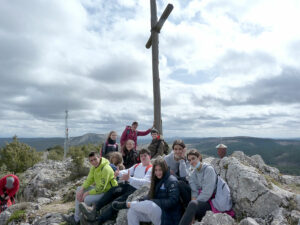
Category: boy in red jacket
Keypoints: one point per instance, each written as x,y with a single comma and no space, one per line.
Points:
9,186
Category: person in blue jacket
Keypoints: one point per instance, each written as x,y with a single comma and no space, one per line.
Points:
162,205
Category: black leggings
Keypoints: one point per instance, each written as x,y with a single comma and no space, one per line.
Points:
195,209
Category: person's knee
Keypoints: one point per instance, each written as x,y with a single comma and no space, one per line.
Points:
89,201
193,204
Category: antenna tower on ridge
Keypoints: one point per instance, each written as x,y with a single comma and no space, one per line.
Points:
66,145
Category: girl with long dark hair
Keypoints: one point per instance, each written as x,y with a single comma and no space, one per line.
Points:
110,145
162,206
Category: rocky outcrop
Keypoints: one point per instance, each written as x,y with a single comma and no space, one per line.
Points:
253,192
48,181
257,191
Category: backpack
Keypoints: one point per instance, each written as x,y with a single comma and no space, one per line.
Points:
166,146
222,200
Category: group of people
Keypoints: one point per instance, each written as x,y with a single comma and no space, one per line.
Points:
181,185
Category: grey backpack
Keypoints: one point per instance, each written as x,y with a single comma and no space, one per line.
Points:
222,200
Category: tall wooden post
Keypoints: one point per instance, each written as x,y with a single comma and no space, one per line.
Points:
155,70
153,40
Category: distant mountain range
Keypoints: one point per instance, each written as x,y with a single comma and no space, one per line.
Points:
41,144
281,153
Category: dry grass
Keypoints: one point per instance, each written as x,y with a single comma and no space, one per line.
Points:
56,207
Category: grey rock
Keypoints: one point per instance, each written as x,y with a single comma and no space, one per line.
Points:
50,218
279,217
298,201
4,216
211,218
252,194
295,216
288,179
248,221
43,201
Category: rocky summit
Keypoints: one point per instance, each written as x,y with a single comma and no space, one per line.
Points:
260,194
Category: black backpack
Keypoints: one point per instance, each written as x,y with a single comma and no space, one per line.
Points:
165,144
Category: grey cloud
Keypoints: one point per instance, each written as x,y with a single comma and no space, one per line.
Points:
280,89
241,62
283,89
120,70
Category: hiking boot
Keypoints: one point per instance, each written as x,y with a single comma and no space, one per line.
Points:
119,205
70,220
89,213
84,221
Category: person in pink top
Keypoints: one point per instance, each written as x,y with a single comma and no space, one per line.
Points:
131,133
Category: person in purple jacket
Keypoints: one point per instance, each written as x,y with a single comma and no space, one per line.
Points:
130,133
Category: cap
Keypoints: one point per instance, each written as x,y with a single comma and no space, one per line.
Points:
154,131
9,182
221,146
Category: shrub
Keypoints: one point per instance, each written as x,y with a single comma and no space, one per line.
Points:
18,156
56,153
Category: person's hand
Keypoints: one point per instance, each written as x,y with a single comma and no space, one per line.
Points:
126,176
79,195
194,198
184,152
117,172
193,221
7,197
153,125
84,195
128,204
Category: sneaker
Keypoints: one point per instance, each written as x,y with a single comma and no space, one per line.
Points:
70,220
89,213
119,205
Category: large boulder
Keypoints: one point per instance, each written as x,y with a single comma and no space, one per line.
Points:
253,195
45,180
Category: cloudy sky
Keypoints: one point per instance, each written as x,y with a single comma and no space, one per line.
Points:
227,67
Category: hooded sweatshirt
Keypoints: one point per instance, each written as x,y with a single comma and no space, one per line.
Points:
180,168
204,179
102,176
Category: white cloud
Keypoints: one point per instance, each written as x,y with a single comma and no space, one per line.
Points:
90,57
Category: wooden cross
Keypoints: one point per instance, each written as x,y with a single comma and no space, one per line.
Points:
153,40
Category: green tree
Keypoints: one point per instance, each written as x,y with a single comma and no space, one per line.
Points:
18,156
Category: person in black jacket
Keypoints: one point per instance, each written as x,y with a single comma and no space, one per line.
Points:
130,155
162,205
109,145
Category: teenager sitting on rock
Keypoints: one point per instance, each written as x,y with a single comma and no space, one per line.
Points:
156,146
110,145
130,133
9,186
162,205
179,167
203,184
102,176
135,177
130,155
116,161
